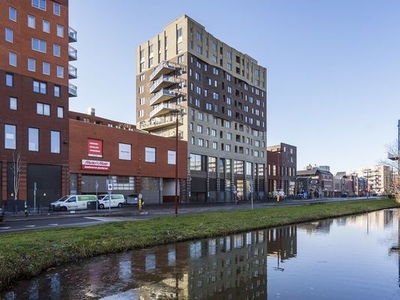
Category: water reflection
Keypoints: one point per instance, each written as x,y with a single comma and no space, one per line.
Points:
279,263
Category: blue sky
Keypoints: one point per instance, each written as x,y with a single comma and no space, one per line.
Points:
333,66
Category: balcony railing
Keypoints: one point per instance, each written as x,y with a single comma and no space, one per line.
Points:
162,69
73,72
73,35
162,82
157,123
162,109
72,53
162,96
72,90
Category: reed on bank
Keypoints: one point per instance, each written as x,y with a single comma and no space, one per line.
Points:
26,254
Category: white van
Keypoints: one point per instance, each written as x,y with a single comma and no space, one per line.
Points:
72,202
117,200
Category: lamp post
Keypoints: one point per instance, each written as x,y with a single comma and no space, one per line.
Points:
176,113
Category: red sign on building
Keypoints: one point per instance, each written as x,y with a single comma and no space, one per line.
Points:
95,148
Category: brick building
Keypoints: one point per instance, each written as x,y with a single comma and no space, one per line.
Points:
134,161
34,94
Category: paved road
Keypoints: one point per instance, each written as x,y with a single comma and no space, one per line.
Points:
44,220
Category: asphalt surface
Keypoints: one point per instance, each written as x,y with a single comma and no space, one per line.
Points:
156,211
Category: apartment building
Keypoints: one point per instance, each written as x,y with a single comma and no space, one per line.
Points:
35,71
282,168
194,87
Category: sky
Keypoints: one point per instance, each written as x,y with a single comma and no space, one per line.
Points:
333,67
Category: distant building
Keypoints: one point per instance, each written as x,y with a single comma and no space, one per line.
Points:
282,168
379,178
314,182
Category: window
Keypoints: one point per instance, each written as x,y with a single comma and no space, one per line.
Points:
12,59
9,79
60,30
199,129
13,103
57,91
12,14
55,137
41,4
9,35
39,45
60,112
56,50
46,68
171,157
46,26
33,139
31,65
201,142
43,109
10,138
31,21
150,154
60,72
56,9
125,151
39,87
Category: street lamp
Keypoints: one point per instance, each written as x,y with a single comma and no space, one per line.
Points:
176,113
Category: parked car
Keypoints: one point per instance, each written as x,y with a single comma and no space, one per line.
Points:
117,200
73,202
1,214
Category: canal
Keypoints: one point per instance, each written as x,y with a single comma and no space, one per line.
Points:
351,257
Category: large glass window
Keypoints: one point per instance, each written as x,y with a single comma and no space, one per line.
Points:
55,143
33,139
10,137
150,154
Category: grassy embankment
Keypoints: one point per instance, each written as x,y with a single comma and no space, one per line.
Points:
23,255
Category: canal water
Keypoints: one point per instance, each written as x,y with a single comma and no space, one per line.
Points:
345,258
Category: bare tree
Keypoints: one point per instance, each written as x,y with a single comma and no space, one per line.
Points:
393,162
16,168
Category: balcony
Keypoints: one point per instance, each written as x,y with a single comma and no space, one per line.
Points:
72,90
72,53
162,83
162,96
73,72
162,109
163,69
73,35
157,123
